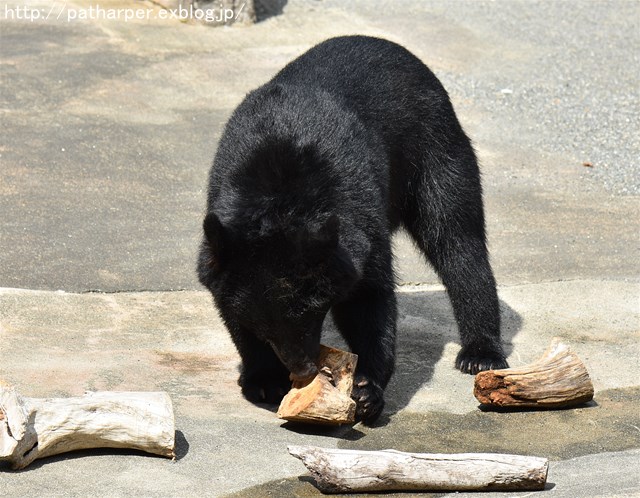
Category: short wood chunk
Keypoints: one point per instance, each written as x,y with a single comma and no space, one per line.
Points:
32,428
557,380
349,471
327,398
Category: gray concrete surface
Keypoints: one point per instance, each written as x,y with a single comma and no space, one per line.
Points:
108,130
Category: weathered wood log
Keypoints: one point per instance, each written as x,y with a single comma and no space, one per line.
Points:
557,380
347,471
32,428
327,398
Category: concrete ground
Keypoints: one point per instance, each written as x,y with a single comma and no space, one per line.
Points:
109,128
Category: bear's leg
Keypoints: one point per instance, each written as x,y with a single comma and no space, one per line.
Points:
263,378
445,218
367,321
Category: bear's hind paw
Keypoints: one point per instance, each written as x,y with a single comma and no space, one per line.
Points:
472,362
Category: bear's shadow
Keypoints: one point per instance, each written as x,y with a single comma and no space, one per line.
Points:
425,326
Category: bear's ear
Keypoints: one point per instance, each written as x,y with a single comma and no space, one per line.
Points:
214,234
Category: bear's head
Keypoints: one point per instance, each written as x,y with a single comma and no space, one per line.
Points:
277,281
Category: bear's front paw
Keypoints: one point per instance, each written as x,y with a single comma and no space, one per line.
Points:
264,388
369,399
473,360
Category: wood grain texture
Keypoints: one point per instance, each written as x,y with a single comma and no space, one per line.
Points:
326,399
347,471
32,428
558,379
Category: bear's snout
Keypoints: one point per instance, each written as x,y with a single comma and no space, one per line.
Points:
298,360
304,374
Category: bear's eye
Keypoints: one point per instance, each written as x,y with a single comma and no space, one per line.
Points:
284,284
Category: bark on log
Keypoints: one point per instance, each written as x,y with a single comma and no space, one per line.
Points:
557,380
347,471
327,398
32,428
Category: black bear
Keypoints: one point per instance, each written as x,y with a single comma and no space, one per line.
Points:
314,172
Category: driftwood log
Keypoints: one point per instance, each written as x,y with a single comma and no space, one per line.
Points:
32,428
327,398
347,471
557,380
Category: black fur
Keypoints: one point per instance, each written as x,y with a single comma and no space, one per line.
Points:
314,172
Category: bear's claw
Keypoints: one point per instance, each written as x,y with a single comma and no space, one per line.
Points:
473,361
369,400
264,390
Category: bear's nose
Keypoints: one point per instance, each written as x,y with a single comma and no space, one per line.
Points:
304,374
